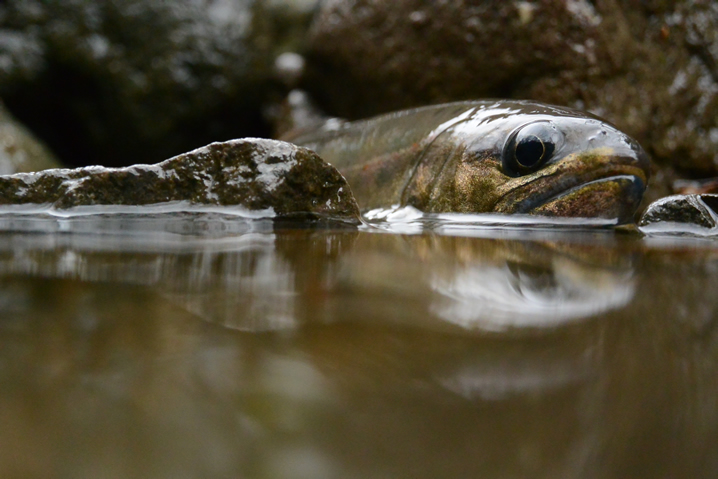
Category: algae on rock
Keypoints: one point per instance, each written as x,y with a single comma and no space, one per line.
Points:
274,177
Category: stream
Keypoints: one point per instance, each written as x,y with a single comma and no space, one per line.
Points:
202,345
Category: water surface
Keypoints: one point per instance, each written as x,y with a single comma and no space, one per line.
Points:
421,347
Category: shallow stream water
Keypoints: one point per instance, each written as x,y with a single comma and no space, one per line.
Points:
415,347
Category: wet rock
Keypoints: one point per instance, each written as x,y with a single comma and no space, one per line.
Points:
19,149
275,177
393,55
123,82
682,213
649,67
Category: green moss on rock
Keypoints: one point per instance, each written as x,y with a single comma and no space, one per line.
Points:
255,174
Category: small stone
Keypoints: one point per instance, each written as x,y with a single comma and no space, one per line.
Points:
267,175
682,211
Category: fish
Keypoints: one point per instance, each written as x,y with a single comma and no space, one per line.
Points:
487,156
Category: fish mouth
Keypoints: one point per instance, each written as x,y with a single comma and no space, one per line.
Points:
612,197
613,190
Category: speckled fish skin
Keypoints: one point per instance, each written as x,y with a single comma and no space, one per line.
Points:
448,158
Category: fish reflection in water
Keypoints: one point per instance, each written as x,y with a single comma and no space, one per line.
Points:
263,282
518,295
293,279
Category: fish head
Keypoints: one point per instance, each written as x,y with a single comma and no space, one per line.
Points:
542,160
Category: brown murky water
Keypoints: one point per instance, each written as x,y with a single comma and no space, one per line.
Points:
300,353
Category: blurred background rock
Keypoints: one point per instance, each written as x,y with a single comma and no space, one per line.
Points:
130,81
20,150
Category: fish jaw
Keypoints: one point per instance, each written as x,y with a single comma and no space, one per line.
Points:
615,197
602,183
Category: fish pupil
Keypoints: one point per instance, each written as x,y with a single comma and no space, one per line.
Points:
530,147
530,151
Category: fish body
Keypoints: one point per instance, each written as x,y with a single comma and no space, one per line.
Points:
493,156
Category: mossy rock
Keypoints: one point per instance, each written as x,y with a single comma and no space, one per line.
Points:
276,178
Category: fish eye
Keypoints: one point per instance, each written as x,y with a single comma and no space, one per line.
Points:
530,147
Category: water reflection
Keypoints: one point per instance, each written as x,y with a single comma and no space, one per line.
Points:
305,353
443,282
520,295
283,280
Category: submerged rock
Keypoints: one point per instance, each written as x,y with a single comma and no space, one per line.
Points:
143,79
682,214
19,149
648,67
274,177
